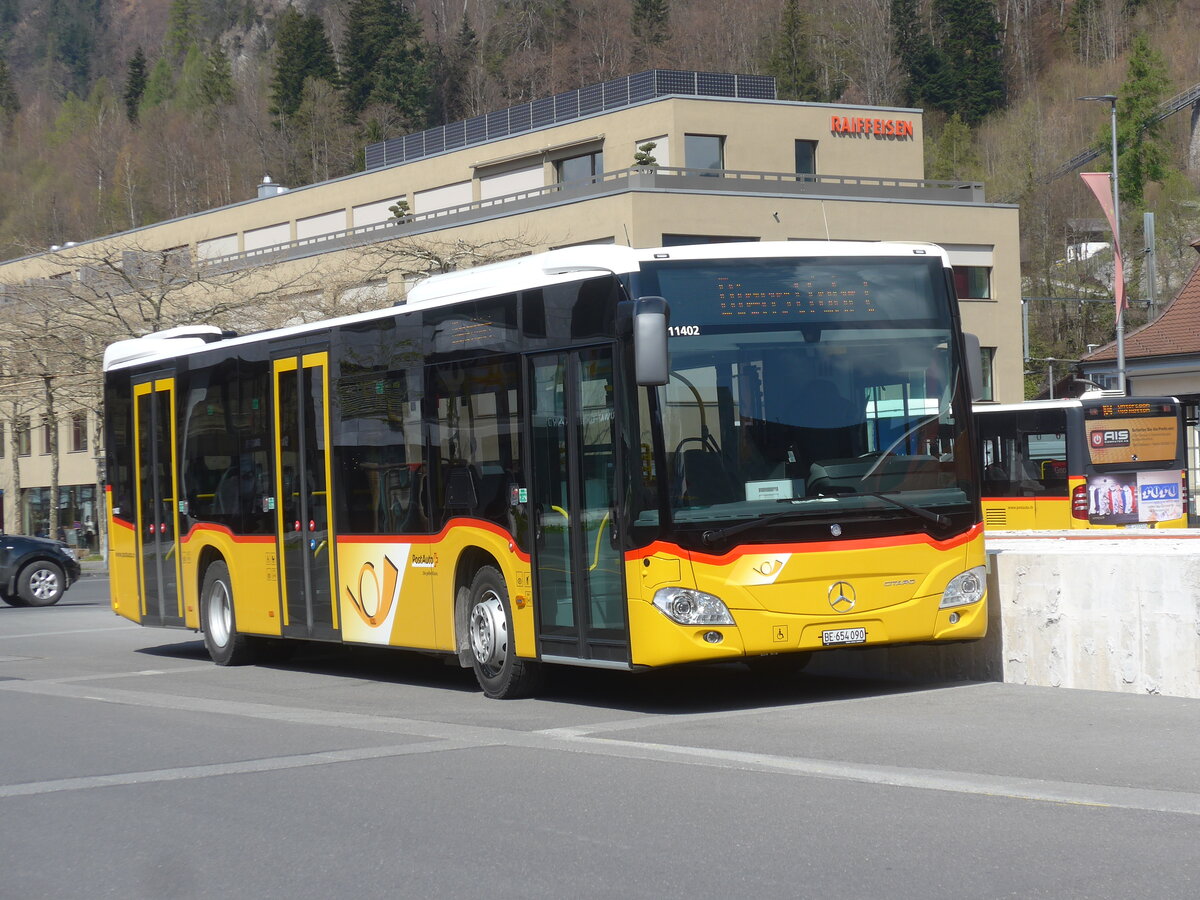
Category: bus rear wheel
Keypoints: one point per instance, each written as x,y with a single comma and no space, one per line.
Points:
500,673
221,639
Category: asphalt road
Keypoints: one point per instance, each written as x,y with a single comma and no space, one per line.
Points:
132,767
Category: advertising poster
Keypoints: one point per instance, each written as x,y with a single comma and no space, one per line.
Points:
1160,496
1132,437
1113,499
1133,498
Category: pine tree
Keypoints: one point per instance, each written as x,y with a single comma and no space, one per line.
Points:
971,79
216,83
135,84
10,104
790,57
302,51
384,60
183,28
1140,146
954,157
454,66
160,86
920,62
650,22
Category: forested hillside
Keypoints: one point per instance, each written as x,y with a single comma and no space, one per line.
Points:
117,113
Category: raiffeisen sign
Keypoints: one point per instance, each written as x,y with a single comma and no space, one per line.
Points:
894,128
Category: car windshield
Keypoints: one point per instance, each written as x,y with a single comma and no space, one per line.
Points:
826,385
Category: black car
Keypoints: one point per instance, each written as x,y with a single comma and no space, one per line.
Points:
35,571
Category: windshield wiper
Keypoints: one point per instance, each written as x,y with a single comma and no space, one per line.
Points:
711,537
936,518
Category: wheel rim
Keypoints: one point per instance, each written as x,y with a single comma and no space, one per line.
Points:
43,584
489,632
220,614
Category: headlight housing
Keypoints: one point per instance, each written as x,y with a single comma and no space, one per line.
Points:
691,607
969,587
68,552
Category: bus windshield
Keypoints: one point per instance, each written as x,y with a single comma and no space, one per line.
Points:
812,387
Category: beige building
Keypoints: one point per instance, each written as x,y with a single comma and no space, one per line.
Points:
728,162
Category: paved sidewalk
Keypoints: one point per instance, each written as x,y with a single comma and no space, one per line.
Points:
98,567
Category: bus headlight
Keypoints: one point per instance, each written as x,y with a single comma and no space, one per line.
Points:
965,588
689,607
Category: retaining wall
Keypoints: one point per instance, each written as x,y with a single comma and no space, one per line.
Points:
1071,609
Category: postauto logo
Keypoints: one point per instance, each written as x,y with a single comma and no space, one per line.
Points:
1110,437
1150,492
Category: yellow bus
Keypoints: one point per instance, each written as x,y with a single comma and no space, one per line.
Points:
595,456
1101,461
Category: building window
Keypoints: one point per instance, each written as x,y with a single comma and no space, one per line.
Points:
683,240
23,428
79,439
806,157
973,282
3,449
988,355
47,437
581,168
704,151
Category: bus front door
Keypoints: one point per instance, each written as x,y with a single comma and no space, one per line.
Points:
304,528
157,510
578,577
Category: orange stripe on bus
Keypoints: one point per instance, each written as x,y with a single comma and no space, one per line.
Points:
952,543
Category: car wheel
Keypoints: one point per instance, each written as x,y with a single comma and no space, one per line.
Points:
41,583
500,673
221,639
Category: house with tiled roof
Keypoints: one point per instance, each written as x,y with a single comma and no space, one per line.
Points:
1163,359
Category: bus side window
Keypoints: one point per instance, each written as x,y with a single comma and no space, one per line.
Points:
1046,461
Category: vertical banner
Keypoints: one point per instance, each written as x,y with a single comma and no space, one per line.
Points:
1101,185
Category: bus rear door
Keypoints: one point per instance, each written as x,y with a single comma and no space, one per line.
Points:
156,519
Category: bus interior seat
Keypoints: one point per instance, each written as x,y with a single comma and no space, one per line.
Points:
461,481
703,478
415,519
494,484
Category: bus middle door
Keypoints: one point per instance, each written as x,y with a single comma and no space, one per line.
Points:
303,516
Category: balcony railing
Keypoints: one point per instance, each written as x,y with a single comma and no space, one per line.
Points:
666,179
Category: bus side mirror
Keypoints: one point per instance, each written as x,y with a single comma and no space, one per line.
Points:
651,315
974,362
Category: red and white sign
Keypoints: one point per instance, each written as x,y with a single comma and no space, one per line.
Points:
880,127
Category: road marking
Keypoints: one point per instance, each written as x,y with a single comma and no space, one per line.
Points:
106,676
9,637
251,766
448,736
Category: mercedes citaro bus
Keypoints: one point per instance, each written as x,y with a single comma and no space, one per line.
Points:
595,456
1102,461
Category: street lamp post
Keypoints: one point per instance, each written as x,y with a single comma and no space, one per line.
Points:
1111,100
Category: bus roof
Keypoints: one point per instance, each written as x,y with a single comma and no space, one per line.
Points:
1068,403
526,272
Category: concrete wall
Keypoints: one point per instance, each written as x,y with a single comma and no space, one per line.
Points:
1099,613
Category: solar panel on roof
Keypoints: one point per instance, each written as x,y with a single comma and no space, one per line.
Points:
566,107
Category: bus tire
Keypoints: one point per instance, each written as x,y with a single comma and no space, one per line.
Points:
221,638
500,673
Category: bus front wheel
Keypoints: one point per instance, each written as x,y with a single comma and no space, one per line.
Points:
221,639
500,673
